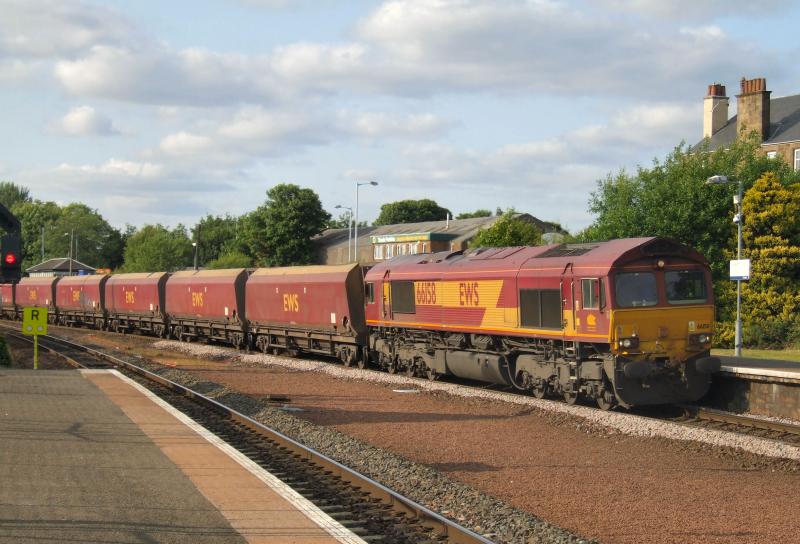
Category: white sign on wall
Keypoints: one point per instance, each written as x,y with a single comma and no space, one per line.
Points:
740,269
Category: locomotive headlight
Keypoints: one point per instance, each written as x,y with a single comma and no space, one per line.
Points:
701,339
631,342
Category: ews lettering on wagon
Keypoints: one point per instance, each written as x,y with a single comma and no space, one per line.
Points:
197,300
468,294
76,296
130,298
291,302
33,295
425,293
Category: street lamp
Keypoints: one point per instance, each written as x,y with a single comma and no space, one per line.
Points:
349,227
737,201
355,244
71,235
194,245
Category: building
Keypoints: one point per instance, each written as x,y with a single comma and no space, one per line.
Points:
776,120
376,244
60,267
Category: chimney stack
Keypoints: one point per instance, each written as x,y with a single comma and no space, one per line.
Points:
753,107
715,110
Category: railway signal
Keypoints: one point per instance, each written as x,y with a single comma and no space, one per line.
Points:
11,264
34,323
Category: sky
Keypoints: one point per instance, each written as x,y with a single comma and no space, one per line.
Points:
153,111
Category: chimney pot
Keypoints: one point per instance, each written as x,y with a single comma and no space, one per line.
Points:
753,112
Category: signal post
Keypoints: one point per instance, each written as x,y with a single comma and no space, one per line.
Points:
34,323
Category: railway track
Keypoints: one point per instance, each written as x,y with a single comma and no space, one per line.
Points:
370,510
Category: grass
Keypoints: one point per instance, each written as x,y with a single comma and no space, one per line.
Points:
775,354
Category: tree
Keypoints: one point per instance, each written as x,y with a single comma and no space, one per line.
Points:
33,216
771,235
509,230
216,236
155,248
12,194
95,242
279,232
411,211
476,213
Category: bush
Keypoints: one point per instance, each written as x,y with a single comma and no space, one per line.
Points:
5,356
724,335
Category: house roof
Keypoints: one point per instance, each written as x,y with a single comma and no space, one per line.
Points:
59,265
784,124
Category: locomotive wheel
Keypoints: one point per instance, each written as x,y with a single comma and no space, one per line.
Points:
605,400
540,391
570,397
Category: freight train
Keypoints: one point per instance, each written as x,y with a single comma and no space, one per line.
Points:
626,322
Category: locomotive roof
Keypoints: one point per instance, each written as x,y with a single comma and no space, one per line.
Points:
596,255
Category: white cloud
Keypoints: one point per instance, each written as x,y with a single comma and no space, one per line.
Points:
85,121
692,10
53,28
184,143
115,168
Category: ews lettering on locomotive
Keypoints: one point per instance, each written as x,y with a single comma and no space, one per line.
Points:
197,300
291,302
425,293
468,294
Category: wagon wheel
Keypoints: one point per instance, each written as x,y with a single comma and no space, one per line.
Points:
177,332
346,357
362,362
391,368
540,390
411,369
431,374
606,400
570,397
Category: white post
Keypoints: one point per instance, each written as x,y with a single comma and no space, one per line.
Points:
355,244
738,339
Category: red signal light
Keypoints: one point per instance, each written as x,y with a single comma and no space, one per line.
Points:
10,258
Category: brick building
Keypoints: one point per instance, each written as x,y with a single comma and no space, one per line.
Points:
776,120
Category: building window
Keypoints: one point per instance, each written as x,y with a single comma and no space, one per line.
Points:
389,251
772,154
797,159
414,248
378,252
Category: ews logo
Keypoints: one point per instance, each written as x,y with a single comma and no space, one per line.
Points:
468,293
130,297
197,300
291,302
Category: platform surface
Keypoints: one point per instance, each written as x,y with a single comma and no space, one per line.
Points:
88,457
789,370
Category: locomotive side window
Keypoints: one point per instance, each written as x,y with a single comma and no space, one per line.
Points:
540,308
686,287
634,289
369,292
403,297
590,289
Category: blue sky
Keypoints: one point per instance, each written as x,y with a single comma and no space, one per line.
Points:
165,111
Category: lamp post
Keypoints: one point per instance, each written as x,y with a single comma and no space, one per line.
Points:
355,244
349,227
194,245
71,235
737,201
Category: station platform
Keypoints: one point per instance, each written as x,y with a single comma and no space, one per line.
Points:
91,456
788,371
757,386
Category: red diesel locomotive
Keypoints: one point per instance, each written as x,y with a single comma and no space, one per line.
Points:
626,322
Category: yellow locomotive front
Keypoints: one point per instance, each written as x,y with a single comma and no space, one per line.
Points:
661,326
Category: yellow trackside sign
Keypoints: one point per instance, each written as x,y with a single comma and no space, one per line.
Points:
34,321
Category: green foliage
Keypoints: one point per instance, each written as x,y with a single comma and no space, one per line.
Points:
771,235
508,231
340,222
154,248
234,259
476,213
279,232
217,236
12,194
411,211
33,215
5,356
95,242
